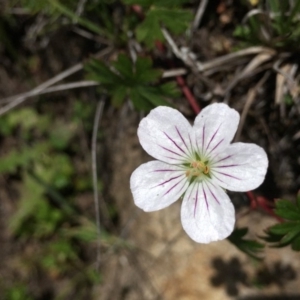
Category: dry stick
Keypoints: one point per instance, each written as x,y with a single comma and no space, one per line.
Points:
202,67
199,14
231,56
180,81
61,87
19,99
80,7
79,84
98,116
250,99
16,100
257,61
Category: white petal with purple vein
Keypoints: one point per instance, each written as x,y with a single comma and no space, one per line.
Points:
156,185
240,167
164,134
207,213
215,127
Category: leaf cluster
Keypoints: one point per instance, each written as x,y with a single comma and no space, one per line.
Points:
250,247
287,232
159,13
133,81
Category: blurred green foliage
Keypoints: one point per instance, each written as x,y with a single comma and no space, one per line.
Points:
170,14
18,291
273,23
42,163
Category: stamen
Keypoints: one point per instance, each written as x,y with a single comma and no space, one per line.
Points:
197,169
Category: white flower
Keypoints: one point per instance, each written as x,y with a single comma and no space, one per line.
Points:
197,163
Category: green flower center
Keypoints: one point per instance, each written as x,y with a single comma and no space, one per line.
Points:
197,169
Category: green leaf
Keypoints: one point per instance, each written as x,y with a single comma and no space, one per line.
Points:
152,95
119,94
124,66
136,81
144,71
296,244
139,102
169,89
175,20
250,247
284,228
287,210
98,71
289,237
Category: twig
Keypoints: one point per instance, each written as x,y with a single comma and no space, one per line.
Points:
250,98
80,7
174,72
61,87
98,116
232,56
228,58
18,100
199,14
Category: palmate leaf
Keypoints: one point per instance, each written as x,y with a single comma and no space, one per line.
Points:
287,232
250,247
175,20
134,81
158,13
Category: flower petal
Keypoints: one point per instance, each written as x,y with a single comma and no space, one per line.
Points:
207,213
164,134
215,128
241,167
156,185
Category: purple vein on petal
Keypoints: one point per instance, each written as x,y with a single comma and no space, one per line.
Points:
223,159
191,192
181,188
228,175
171,158
182,139
170,150
215,147
165,170
171,179
196,201
203,137
174,143
228,166
168,191
191,142
212,138
213,195
205,197
197,144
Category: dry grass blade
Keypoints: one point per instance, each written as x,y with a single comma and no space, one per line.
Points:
250,99
257,61
19,99
280,84
228,58
57,88
174,73
98,116
199,14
